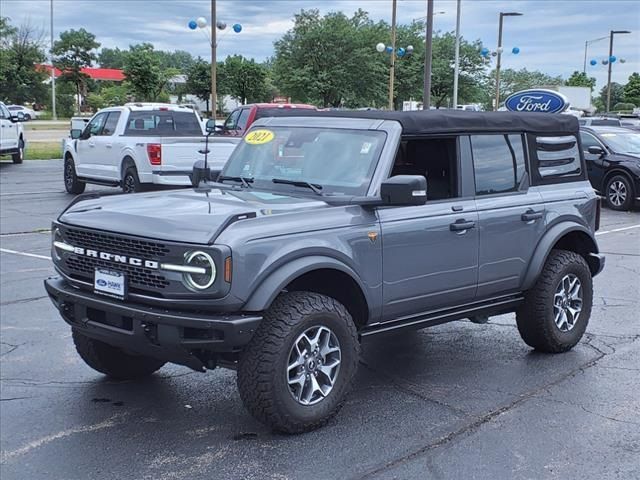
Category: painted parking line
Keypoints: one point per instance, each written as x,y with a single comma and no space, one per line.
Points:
25,254
617,230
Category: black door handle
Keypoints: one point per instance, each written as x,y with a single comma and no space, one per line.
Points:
530,216
460,225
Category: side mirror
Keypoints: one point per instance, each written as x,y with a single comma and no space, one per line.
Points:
18,117
211,126
76,133
596,150
199,173
404,190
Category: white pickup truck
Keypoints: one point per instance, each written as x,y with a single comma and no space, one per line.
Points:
12,141
140,144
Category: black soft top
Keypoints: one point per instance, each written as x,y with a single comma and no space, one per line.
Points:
456,121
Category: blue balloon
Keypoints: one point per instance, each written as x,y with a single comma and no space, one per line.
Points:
593,62
389,49
237,27
515,50
401,52
612,58
193,25
484,52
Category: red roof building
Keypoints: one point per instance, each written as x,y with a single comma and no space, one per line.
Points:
105,74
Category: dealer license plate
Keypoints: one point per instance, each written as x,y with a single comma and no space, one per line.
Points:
110,282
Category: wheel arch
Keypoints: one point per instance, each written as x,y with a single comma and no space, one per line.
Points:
570,236
318,274
612,173
127,161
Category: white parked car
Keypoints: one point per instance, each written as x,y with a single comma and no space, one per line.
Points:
140,144
28,113
12,139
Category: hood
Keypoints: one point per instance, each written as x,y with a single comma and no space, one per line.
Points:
624,157
180,215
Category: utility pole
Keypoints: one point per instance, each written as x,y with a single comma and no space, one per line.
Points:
214,41
53,71
428,52
456,69
392,67
611,34
499,52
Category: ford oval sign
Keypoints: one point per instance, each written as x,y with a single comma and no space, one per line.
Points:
537,100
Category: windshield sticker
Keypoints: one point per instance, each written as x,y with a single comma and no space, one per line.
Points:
366,146
258,137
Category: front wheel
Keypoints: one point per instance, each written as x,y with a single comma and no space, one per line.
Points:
18,157
556,310
300,364
619,193
71,182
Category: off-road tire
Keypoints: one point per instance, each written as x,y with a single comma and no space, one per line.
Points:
131,181
71,182
619,182
535,318
18,157
262,368
112,361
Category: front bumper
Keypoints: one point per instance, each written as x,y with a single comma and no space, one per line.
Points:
170,335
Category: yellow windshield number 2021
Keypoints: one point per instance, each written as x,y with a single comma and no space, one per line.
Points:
258,137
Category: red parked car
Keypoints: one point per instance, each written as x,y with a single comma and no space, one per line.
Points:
242,117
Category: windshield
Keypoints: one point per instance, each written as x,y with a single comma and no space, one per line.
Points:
623,142
315,160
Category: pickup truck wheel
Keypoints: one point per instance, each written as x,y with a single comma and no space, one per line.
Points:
130,181
619,193
556,310
71,182
297,369
113,361
18,157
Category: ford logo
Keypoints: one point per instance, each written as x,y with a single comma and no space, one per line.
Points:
537,100
101,282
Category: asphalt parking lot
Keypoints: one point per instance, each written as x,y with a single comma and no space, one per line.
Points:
454,401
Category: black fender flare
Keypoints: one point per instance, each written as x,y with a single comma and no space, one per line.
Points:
269,288
545,245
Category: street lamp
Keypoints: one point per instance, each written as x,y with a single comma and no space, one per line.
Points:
586,46
502,15
425,17
611,60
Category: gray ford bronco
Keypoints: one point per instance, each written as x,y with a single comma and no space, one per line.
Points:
326,228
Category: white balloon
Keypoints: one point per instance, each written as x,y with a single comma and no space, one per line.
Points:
410,49
221,25
380,47
202,22
500,49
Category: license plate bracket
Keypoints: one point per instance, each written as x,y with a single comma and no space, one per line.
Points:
110,282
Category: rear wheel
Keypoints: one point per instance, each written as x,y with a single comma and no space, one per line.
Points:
130,181
297,369
619,193
71,182
113,361
556,310
18,157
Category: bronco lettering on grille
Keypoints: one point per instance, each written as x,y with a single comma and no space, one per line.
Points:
112,257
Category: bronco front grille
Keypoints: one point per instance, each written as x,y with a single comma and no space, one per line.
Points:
142,278
115,244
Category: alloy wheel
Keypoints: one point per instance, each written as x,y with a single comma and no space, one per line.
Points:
129,184
617,193
68,175
567,302
313,366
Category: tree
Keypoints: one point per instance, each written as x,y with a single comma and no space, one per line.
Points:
617,96
74,51
632,89
20,49
243,79
145,74
199,80
112,58
580,79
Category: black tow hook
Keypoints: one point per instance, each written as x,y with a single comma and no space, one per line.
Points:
150,331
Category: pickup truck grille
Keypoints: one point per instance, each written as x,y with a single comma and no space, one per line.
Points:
142,278
115,244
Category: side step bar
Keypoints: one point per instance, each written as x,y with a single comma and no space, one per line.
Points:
436,317
106,183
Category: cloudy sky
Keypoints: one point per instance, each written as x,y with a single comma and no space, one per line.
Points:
551,34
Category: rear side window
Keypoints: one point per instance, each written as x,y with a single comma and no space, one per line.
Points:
558,156
159,123
498,162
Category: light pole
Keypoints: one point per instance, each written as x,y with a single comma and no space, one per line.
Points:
392,67
586,46
214,45
456,68
502,15
428,51
53,72
611,34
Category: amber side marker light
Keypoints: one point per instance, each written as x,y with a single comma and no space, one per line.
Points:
227,270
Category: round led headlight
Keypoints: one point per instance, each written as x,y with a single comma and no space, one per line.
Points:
203,261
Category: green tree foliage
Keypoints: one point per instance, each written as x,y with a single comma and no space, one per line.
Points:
20,49
617,96
74,51
632,89
116,94
243,79
580,79
199,80
112,58
145,74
